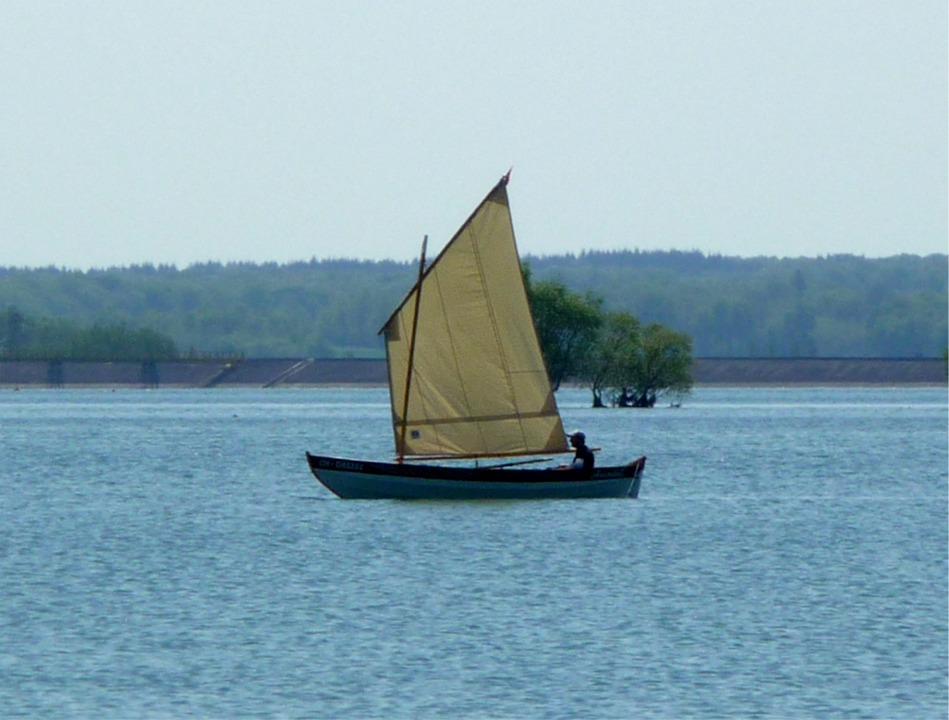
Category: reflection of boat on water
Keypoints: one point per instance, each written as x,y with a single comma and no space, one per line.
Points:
467,381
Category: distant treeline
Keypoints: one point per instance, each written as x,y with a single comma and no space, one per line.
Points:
836,306
30,338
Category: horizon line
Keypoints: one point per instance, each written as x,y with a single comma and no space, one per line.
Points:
160,265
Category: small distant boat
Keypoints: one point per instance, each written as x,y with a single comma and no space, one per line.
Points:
467,382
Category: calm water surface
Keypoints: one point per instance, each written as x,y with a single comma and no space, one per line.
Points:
168,554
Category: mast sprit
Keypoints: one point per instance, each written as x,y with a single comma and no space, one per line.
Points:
408,372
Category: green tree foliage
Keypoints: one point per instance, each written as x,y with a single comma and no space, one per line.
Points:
662,364
12,331
836,306
328,308
611,351
616,350
567,324
27,338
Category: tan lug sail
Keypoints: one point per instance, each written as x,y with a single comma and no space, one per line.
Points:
477,385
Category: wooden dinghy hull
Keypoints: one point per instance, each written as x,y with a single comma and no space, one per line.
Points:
364,480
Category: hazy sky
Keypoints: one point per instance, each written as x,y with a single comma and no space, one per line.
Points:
159,131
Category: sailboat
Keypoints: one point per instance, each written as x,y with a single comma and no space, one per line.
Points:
467,382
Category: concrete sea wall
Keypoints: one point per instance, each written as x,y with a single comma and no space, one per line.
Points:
305,372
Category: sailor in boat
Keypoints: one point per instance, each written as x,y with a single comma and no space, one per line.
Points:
584,459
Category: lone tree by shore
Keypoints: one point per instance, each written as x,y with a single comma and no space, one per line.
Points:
624,363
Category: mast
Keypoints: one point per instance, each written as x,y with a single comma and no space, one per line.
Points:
408,372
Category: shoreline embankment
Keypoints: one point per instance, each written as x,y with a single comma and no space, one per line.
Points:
310,372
